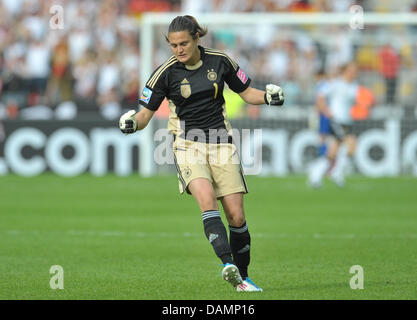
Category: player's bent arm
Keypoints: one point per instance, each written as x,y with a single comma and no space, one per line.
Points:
143,117
253,96
273,96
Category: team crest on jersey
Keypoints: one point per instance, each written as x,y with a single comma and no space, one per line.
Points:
211,75
185,88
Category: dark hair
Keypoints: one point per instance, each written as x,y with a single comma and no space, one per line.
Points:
187,23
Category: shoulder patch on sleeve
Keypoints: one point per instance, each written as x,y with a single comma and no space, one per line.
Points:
242,76
146,95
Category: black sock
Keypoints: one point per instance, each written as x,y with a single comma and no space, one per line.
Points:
240,245
217,235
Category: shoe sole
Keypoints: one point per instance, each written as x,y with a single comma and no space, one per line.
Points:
231,275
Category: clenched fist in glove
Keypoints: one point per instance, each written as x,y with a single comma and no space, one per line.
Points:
274,96
127,122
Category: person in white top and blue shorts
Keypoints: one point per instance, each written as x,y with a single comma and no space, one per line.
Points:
335,103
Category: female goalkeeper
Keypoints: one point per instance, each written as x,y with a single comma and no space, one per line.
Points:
208,165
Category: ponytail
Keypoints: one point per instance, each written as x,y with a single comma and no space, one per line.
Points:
187,23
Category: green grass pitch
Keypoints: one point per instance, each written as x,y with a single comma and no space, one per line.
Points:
137,238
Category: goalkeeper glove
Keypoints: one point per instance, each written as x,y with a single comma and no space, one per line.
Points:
127,122
274,96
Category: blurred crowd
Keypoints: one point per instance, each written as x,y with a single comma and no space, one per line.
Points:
193,6
86,58
91,62
293,56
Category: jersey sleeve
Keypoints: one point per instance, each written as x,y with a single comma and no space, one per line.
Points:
235,77
154,91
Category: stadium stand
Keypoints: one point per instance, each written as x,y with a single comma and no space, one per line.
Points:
93,62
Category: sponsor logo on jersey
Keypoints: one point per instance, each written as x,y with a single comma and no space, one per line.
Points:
146,95
242,76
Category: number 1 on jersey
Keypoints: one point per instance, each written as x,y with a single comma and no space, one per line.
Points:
215,90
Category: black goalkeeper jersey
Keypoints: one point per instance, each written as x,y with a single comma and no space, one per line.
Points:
195,93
